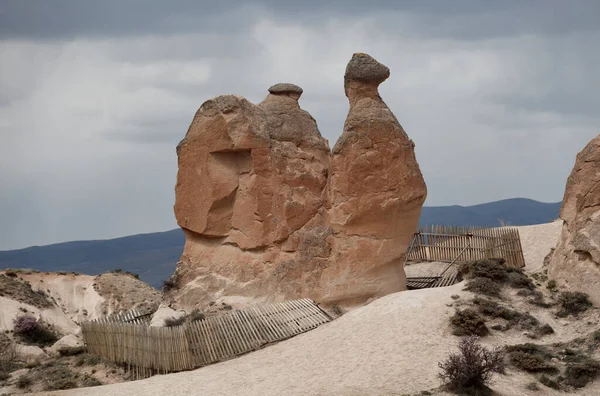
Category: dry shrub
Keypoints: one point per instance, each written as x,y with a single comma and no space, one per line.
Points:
572,303
31,331
532,358
8,357
468,322
483,286
580,374
173,322
471,370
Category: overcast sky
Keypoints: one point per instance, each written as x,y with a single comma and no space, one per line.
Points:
499,96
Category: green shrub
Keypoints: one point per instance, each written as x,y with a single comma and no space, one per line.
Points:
468,322
551,285
472,368
572,303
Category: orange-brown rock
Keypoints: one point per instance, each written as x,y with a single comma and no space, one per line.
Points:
270,213
575,263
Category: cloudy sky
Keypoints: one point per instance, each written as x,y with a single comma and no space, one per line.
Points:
498,95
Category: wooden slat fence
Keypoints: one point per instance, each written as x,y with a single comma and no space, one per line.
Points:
148,350
446,243
141,315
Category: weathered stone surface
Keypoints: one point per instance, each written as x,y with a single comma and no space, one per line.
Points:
377,188
575,263
270,213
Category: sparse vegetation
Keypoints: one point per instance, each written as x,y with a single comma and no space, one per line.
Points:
551,285
549,382
120,271
483,286
19,290
580,374
468,322
514,318
195,315
33,332
24,381
71,351
572,303
532,358
471,370
87,360
176,321
168,285
8,355
488,276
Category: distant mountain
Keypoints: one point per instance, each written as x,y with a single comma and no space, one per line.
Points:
515,212
153,256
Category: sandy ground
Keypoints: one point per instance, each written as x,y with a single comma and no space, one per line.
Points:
389,347
537,240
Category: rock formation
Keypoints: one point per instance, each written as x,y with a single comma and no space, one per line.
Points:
575,263
270,213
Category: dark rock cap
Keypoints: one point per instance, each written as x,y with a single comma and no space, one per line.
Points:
285,88
363,67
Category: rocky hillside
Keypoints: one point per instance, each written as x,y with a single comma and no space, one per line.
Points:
39,323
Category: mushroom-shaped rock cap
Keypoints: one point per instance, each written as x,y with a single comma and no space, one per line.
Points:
363,67
285,88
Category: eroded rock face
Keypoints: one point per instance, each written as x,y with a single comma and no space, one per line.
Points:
575,263
270,213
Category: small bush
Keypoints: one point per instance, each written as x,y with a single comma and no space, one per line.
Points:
572,303
483,286
532,386
24,381
549,382
90,381
8,355
579,375
545,330
172,322
31,331
4,376
472,368
87,360
168,285
531,358
71,351
468,322
551,285
195,316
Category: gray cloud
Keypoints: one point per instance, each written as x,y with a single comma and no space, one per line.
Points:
498,96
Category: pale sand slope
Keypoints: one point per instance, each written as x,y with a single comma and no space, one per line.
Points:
537,240
389,347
